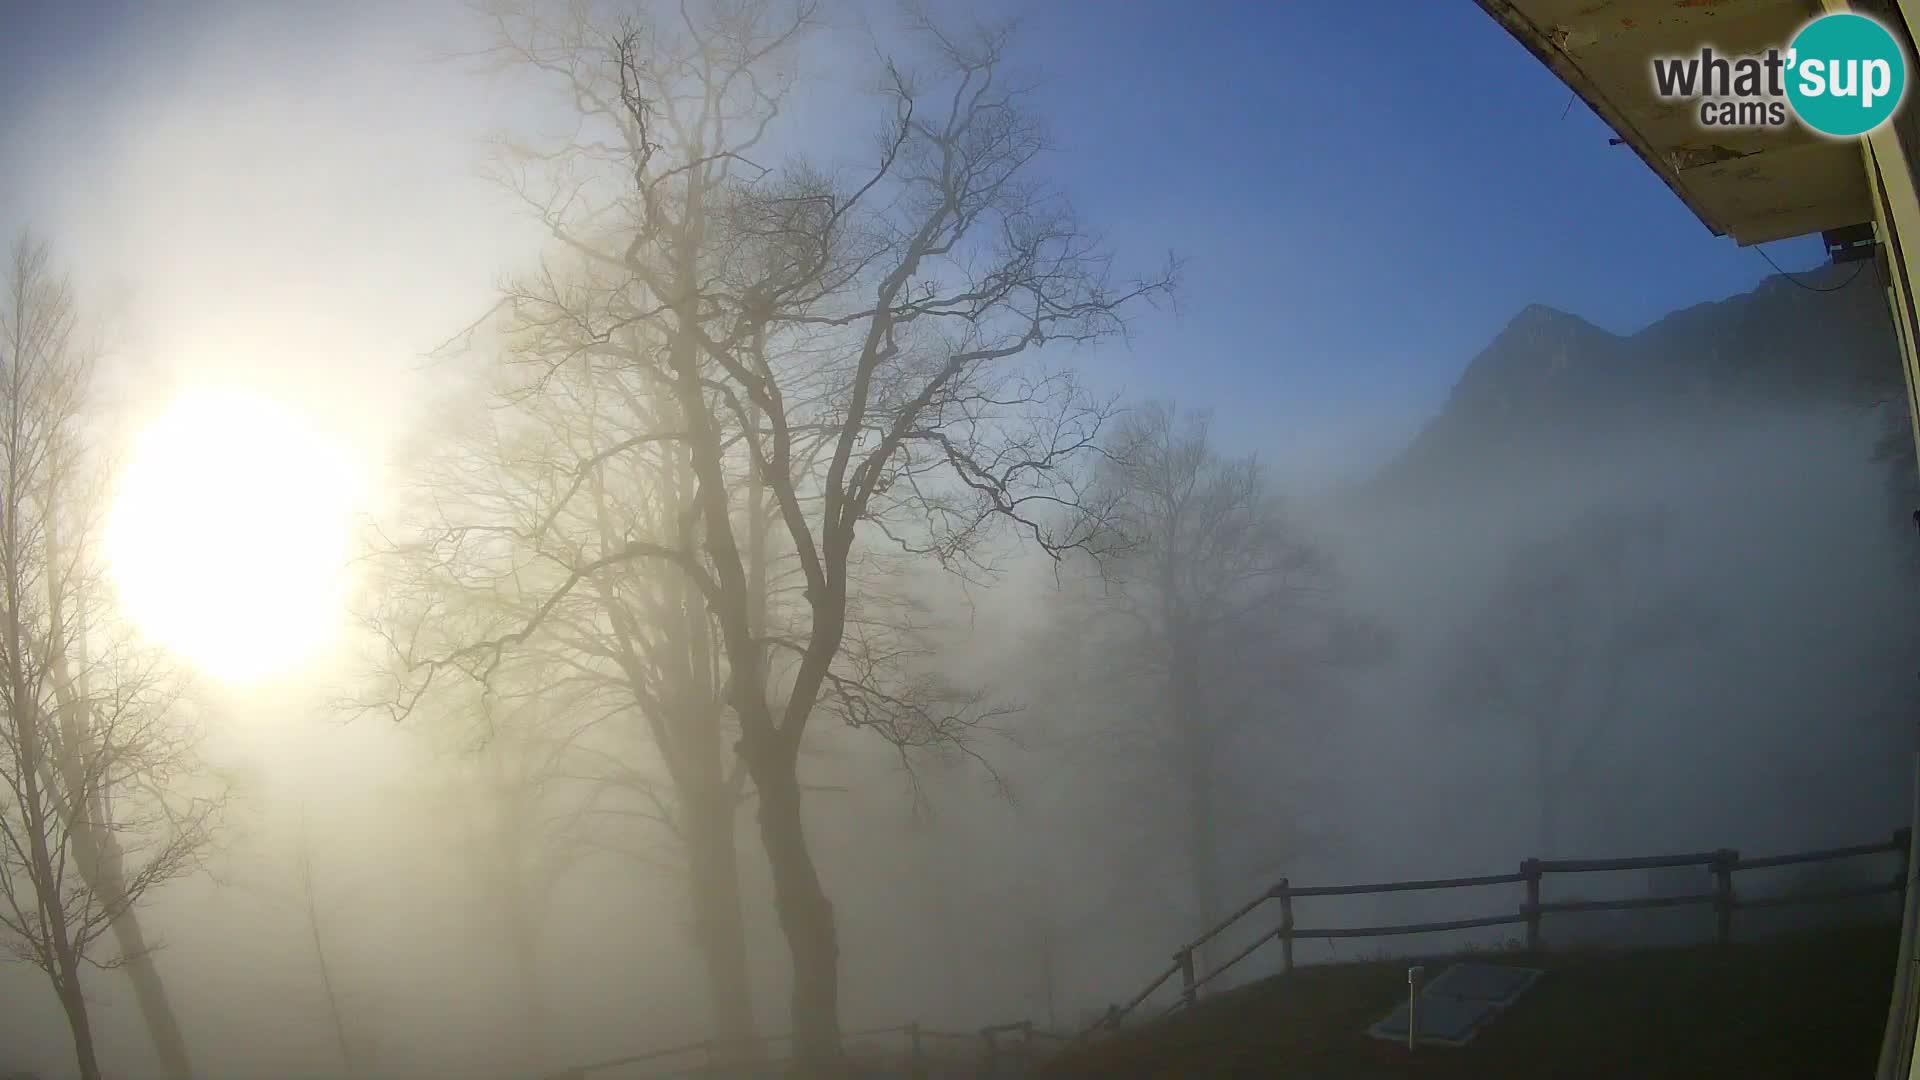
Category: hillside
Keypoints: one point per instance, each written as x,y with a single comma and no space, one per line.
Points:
1809,1005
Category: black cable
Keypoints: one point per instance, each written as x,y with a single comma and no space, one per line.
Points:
1804,285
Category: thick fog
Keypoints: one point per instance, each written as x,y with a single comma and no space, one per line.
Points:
1062,736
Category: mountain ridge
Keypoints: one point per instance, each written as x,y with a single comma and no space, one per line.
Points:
1552,385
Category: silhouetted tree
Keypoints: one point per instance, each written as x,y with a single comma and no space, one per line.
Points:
1554,650
92,746
881,315
623,674
1225,610
308,899
521,785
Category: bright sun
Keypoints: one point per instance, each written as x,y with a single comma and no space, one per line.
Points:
229,534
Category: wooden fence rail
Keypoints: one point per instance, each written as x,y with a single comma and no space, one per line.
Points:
1723,864
1023,1043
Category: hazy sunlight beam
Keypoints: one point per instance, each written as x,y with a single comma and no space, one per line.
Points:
229,534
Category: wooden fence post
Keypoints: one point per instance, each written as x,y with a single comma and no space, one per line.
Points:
989,1050
916,1061
1284,891
1723,862
1187,989
1530,868
1414,975
1026,1046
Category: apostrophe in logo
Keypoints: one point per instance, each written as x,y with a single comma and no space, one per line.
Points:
1846,74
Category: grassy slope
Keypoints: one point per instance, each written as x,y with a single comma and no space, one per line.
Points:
1811,1005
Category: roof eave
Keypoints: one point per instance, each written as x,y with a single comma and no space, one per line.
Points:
1541,45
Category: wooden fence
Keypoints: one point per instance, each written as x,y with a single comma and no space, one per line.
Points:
1725,900
917,1052
1010,1049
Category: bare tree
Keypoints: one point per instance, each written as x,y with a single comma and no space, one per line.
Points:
521,791
1554,651
627,670
293,886
883,312
93,750
619,692
1223,607
308,900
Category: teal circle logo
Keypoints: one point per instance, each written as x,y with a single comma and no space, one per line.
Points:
1846,74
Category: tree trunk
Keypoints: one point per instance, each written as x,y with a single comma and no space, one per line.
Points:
1049,961
340,1042
692,742
1549,822
806,918
58,945
310,900
1203,853
155,1007
67,984
533,1003
100,858
719,928
1193,729
103,865
715,878
1547,791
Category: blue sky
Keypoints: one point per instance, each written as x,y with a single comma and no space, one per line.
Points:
1366,200
1363,200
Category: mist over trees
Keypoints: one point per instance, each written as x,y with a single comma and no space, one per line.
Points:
775,626
1553,654
96,752
813,355
1214,606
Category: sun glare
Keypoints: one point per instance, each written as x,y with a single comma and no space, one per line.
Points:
229,534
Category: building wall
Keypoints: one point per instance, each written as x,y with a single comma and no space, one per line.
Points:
1889,156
